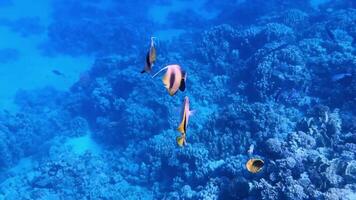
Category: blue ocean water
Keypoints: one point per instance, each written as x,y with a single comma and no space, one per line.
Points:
268,89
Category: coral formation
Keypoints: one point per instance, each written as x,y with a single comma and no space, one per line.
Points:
266,83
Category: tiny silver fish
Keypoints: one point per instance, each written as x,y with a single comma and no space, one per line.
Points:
338,77
58,73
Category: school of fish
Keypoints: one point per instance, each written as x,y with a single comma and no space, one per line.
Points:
174,79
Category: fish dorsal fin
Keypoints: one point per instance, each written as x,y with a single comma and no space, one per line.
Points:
161,70
153,41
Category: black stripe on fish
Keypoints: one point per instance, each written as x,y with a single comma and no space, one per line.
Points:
148,65
171,80
185,123
148,59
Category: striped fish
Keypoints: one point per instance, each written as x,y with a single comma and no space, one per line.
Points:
174,79
150,58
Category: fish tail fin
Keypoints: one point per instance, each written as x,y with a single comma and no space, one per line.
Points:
182,82
182,85
171,93
181,140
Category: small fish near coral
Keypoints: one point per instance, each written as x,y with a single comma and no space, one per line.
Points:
57,72
182,128
150,57
254,165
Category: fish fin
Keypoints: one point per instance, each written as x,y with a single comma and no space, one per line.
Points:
181,127
192,112
182,85
172,93
181,141
159,71
152,41
182,82
143,71
165,80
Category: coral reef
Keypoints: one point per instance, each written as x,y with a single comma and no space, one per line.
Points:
280,81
